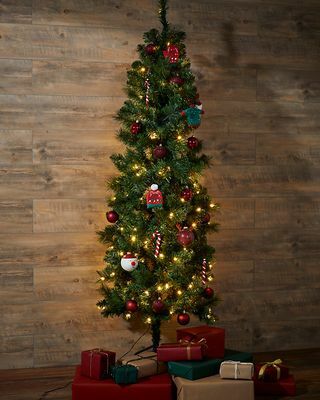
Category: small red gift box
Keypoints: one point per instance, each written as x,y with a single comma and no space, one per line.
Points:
180,352
97,363
271,371
283,387
214,338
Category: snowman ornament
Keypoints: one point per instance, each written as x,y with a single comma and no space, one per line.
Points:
129,262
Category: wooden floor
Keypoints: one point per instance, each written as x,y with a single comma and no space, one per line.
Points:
31,384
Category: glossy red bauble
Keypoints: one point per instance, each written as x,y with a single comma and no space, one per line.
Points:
158,306
186,194
183,318
208,292
192,142
185,237
176,80
159,152
112,216
135,128
206,218
150,49
131,305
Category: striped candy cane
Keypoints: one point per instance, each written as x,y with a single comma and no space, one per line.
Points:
147,85
204,272
157,235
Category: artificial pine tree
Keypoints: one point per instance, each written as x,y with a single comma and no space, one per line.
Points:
158,262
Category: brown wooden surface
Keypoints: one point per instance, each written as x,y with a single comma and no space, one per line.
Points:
62,70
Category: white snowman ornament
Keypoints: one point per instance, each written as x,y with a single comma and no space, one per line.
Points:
129,262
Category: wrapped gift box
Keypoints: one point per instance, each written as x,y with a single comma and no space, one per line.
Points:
97,363
180,351
200,369
271,371
157,387
236,370
124,374
214,338
283,387
213,387
146,364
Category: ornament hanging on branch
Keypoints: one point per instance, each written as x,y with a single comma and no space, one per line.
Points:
112,216
172,53
185,236
135,128
186,194
192,142
129,262
177,80
150,49
204,272
147,85
154,197
157,235
131,305
183,318
159,152
193,115
208,292
206,218
158,306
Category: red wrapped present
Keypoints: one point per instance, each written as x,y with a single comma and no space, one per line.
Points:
214,338
97,363
271,371
282,387
181,351
156,387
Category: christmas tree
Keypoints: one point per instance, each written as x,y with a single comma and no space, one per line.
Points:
158,262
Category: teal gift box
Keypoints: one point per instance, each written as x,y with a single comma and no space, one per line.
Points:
200,369
124,374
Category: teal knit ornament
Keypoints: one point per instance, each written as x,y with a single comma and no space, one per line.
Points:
193,115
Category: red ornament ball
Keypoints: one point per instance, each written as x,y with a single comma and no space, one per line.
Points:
183,318
159,152
208,292
131,305
135,128
206,218
185,237
192,142
158,306
186,194
150,49
112,216
177,80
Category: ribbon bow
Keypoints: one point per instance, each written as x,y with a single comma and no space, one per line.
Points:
275,364
202,341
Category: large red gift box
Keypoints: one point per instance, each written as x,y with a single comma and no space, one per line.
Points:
157,387
97,363
271,371
283,387
214,338
180,352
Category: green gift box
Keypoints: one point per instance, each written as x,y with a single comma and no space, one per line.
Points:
200,369
124,374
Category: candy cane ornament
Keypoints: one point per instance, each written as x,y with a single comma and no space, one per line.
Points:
147,85
157,235
204,272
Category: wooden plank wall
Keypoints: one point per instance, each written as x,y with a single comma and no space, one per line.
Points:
62,69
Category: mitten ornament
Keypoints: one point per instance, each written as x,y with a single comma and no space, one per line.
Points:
129,262
154,197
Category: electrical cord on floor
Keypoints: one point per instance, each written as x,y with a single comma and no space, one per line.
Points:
44,394
139,338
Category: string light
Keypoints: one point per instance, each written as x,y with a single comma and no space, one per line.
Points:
210,278
133,238
167,285
182,200
153,135
159,288
175,259
146,293
194,225
114,198
171,215
179,293
148,320
142,69
190,286
179,137
128,316
135,229
171,312
122,229
199,209
161,255
121,253
211,205
112,274
102,278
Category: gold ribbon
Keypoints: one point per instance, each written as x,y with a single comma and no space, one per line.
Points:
275,364
201,342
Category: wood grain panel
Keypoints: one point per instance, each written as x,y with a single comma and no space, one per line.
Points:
77,78
69,215
296,213
16,285
17,320
238,335
16,216
75,147
288,85
17,352
235,213
286,149
16,12
51,250
15,147
15,76
233,275
286,274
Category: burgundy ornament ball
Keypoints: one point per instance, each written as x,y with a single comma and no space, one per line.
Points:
208,292
183,318
206,218
112,216
177,80
186,194
159,152
185,237
158,306
150,49
192,142
135,128
131,305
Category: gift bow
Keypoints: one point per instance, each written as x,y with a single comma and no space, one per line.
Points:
274,364
202,341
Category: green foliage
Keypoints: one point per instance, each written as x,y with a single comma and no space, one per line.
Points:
175,276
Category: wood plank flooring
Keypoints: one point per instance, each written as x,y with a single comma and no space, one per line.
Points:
31,384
